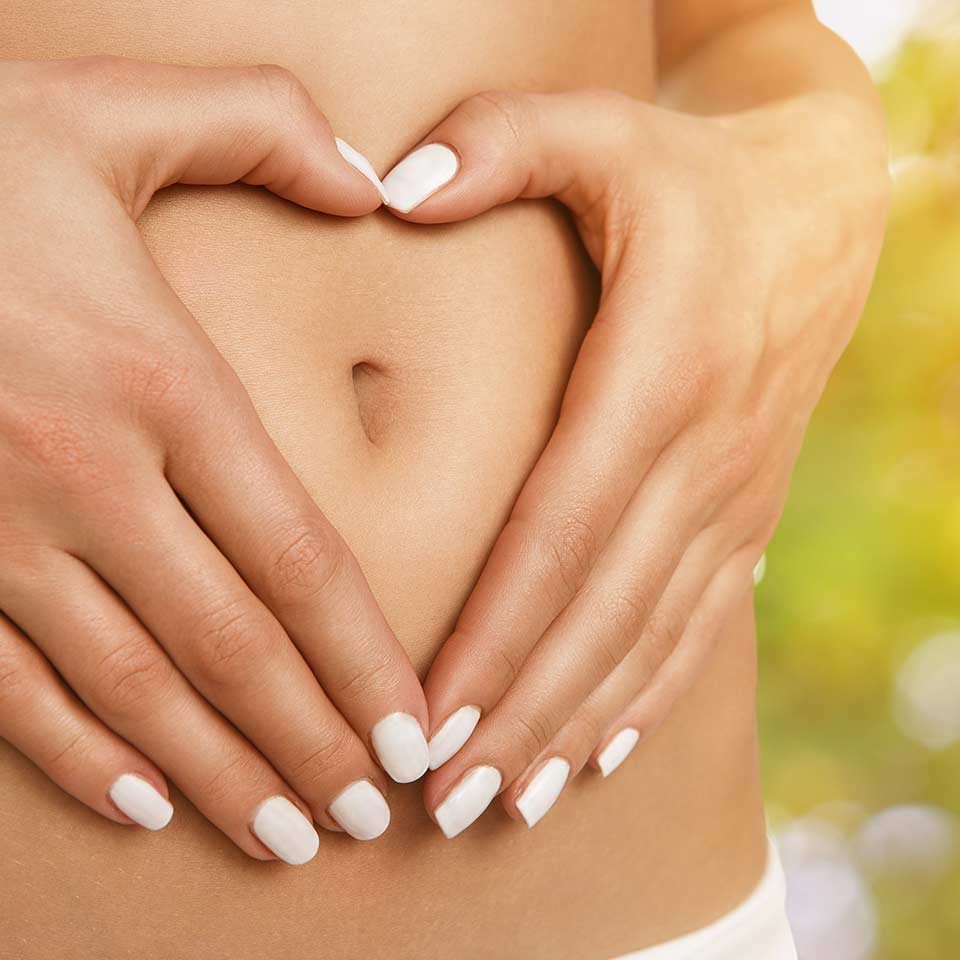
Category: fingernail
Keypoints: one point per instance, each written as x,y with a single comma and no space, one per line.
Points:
361,811
419,175
361,164
286,831
617,750
453,735
760,570
542,791
401,747
467,800
141,801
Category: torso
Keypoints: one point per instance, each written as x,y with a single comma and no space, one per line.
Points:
411,376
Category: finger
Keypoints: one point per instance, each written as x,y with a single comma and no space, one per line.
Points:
586,642
498,146
150,125
124,678
627,397
232,650
651,707
534,791
662,666
251,504
614,424
48,725
692,586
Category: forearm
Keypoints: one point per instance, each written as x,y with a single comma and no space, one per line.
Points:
772,61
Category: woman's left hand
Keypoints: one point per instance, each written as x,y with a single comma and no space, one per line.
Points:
736,253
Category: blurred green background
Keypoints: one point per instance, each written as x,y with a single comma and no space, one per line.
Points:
859,613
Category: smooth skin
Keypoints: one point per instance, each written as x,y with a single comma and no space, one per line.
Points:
736,226
131,447
156,550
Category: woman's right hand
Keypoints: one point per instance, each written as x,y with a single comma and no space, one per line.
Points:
168,588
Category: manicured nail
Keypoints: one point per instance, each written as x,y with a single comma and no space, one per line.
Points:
286,831
542,791
361,164
141,801
617,750
401,747
361,811
467,800
453,735
760,570
420,175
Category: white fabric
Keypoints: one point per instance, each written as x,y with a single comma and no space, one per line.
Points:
756,930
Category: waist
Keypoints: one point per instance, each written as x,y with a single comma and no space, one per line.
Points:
416,457
757,928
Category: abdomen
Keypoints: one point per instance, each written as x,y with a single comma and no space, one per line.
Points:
411,375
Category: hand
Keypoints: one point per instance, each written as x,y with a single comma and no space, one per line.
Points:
156,551
736,253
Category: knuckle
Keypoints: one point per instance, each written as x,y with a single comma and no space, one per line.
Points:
532,732
694,378
286,93
510,111
130,677
672,393
330,754
75,754
660,637
621,619
588,723
751,436
153,379
506,666
229,644
371,678
571,546
165,383
309,559
14,683
734,457
236,772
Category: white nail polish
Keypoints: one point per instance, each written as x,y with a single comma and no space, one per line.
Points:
760,570
467,800
401,747
361,164
361,811
453,735
419,175
141,801
617,750
286,831
542,791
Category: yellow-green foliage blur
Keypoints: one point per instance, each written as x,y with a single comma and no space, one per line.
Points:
865,567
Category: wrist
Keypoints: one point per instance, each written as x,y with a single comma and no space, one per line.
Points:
827,141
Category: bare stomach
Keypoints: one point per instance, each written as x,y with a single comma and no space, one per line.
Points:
411,376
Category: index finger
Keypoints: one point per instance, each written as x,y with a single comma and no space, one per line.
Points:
248,500
612,428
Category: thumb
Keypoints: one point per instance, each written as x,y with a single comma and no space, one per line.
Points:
149,125
499,146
